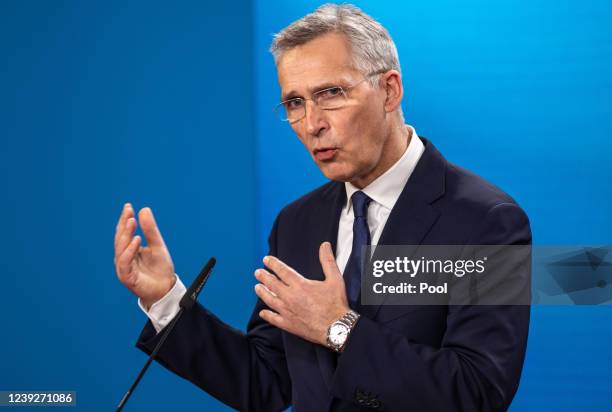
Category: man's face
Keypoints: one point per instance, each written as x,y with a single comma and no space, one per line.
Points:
347,144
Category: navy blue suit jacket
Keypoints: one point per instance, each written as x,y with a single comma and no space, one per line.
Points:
398,358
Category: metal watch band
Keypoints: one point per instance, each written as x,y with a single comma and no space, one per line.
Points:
349,318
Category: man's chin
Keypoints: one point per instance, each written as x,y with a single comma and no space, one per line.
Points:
335,174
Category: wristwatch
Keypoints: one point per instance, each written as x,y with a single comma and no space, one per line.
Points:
339,331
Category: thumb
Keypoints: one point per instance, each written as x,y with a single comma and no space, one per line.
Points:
149,227
328,262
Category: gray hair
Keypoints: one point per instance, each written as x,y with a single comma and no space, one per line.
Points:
371,45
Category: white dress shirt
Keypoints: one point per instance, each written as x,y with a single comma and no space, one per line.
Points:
384,192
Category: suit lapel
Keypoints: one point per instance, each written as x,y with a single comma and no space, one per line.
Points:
325,226
327,230
413,215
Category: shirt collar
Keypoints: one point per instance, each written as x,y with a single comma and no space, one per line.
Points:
386,189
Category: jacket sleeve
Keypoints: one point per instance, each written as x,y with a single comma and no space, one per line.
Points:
245,371
478,364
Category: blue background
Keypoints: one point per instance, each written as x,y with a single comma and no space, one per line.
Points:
169,106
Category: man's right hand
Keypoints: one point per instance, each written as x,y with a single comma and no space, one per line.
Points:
147,271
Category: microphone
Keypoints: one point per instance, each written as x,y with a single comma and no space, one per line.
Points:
187,301
191,295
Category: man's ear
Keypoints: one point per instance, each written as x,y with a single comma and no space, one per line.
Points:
392,84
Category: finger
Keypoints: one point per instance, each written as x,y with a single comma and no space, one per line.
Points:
124,264
149,227
126,236
285,272
328,262
272,301
126,213
274,285
274,319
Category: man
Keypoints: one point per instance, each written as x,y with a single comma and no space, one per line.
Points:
310,343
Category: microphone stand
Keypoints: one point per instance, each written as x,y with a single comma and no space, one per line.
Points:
187,302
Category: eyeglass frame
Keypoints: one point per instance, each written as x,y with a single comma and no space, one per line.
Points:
343,90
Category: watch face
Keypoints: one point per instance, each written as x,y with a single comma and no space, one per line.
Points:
338,334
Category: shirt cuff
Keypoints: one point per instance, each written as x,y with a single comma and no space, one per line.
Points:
164,310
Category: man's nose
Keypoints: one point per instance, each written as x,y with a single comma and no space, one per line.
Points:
315,119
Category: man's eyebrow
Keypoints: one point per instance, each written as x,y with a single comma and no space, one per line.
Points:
292,94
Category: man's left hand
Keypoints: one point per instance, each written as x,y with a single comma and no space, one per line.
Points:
299,305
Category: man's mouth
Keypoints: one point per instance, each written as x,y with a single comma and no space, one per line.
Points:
325,153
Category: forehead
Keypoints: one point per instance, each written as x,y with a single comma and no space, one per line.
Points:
319,62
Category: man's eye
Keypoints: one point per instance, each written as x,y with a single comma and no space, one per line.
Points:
294,104
329,93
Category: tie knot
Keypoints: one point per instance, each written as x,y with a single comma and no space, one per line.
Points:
361,201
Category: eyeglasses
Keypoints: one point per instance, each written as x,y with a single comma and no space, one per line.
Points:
293,110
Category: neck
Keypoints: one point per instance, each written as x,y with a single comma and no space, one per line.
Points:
392,151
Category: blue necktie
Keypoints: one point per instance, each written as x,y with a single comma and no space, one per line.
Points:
361,238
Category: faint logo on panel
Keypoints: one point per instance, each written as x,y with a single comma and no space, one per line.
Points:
583,274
